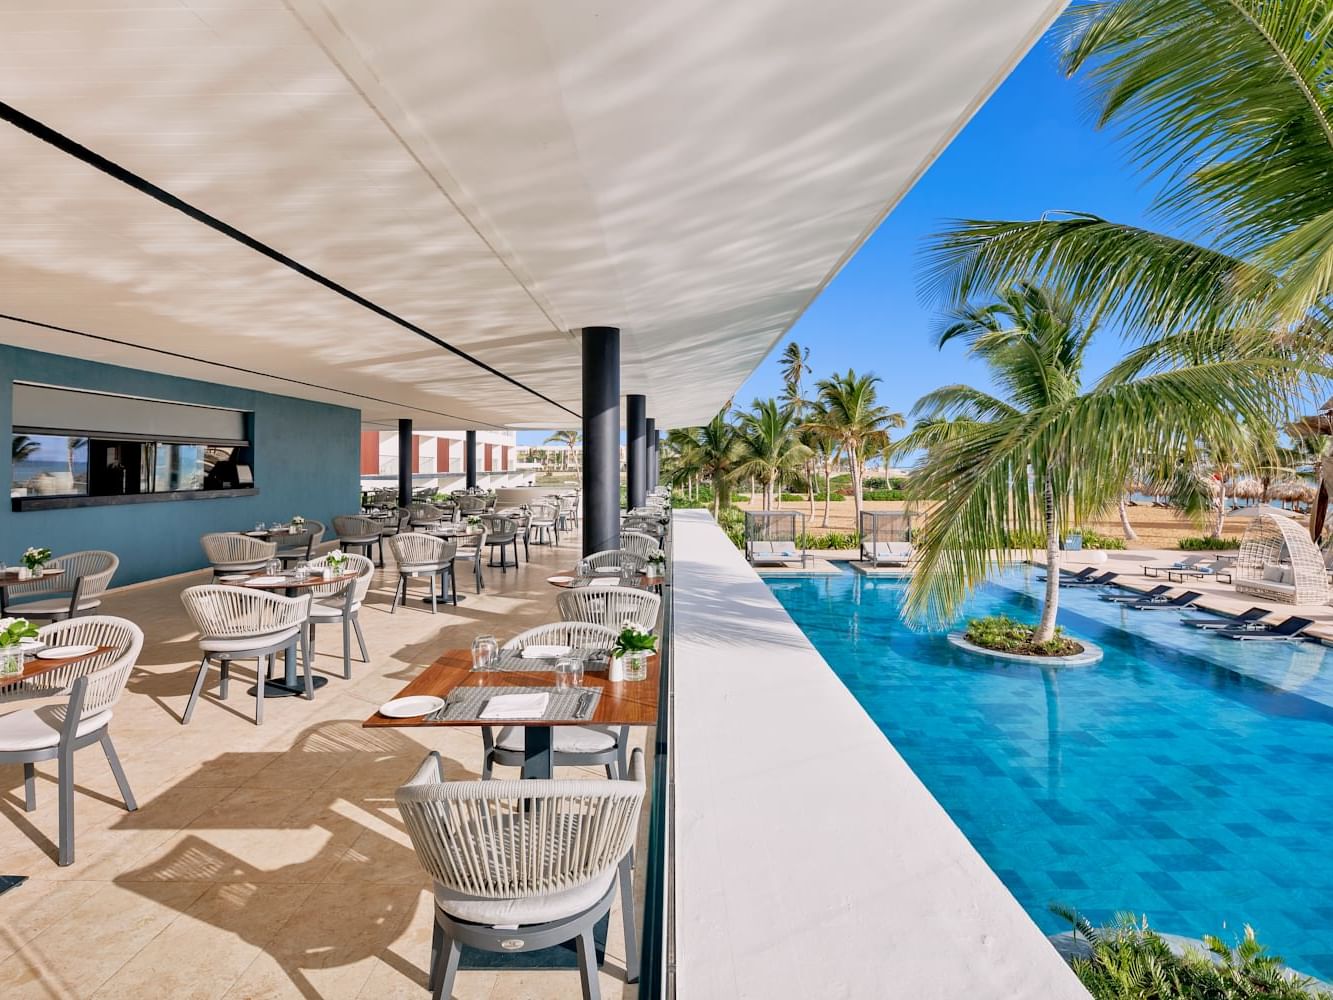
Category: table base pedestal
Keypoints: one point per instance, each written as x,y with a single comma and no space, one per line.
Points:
281,689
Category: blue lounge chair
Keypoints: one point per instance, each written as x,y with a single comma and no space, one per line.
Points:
1281,632
1183,601
1250,619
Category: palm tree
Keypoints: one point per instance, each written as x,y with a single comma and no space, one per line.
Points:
1228,101
710,452
848,411
570,440
1046,454
23,448
769,445
795,366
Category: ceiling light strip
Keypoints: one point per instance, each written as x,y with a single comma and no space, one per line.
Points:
67,145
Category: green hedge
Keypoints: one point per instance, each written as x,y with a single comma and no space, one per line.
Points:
802,498
1096,540
829,540
884,495
1196,544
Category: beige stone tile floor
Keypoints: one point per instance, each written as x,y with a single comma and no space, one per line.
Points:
263,861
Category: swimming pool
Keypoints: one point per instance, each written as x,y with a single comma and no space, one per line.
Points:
1185,777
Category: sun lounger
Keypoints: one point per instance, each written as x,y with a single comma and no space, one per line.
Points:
775,553
1188,563
887,553
1157,591
1281,632
1090,581
1252,618
1067,575
1183,601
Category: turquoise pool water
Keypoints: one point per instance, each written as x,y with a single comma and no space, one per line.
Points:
1185,777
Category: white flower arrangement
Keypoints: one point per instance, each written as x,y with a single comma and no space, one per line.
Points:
35,557
336,558
297,520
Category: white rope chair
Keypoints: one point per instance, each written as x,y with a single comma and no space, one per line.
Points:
571,746
55,732
83,579
501,532
299,547
230,552
471,544
419,554
642,545
609,606
650,526
340,603
239,623
544,524
1279,562
424,514
628,562
471,505
123,638
568,510
523,865
357,532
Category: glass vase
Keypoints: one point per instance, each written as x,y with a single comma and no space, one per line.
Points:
636,665
11,661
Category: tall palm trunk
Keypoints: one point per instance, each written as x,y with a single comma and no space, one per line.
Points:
1221,517
1125,526
1046,627
810,484
828,477
854,460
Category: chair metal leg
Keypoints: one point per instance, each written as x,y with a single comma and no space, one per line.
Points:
194,694
109,749
626,877
452,952
224,671
360,638
29,787
588,966
347,647
309,666
436,944
261,675
453,583
65,784
400,589
433,591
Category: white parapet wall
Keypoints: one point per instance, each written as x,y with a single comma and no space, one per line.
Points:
810,862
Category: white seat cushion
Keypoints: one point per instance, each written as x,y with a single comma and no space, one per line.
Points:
527,910
39,729
567,739
217,644
52,605
330,610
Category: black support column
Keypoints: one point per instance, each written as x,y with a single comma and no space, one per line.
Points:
652,453
636,450
601,438
470,459
406,445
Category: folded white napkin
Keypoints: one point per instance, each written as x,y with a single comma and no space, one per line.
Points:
604,583
535,652
260,581
516,706
608,570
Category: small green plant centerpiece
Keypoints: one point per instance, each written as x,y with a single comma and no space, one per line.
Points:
296,523
657,562
33,559
12,633
633,646
473,520
1007,635
334,562
1129,961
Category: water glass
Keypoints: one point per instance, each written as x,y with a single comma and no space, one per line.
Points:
274,567
485,651
569,672
585,568
260,526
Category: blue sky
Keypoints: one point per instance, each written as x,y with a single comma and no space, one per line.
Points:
1032,148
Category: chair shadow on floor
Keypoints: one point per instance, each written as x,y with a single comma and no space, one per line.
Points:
361,883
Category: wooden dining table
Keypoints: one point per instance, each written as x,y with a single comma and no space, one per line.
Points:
647,580
292,586
622,703
10,578
34,666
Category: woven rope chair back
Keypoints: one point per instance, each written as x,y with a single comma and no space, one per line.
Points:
629,562
230,547
515,839
418,549
365,573
609,606
640,544
124,638
352,527
240,612
579,635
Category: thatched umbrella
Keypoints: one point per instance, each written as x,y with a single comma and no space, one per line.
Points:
1247,488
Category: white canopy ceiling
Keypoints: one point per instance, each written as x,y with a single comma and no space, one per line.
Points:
495,174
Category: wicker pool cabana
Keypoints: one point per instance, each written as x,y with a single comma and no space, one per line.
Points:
1278,561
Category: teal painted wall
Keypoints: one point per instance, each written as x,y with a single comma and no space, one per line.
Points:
306,462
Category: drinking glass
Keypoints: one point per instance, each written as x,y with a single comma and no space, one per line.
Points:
274,567
485,651
585,568
569,672
260,526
